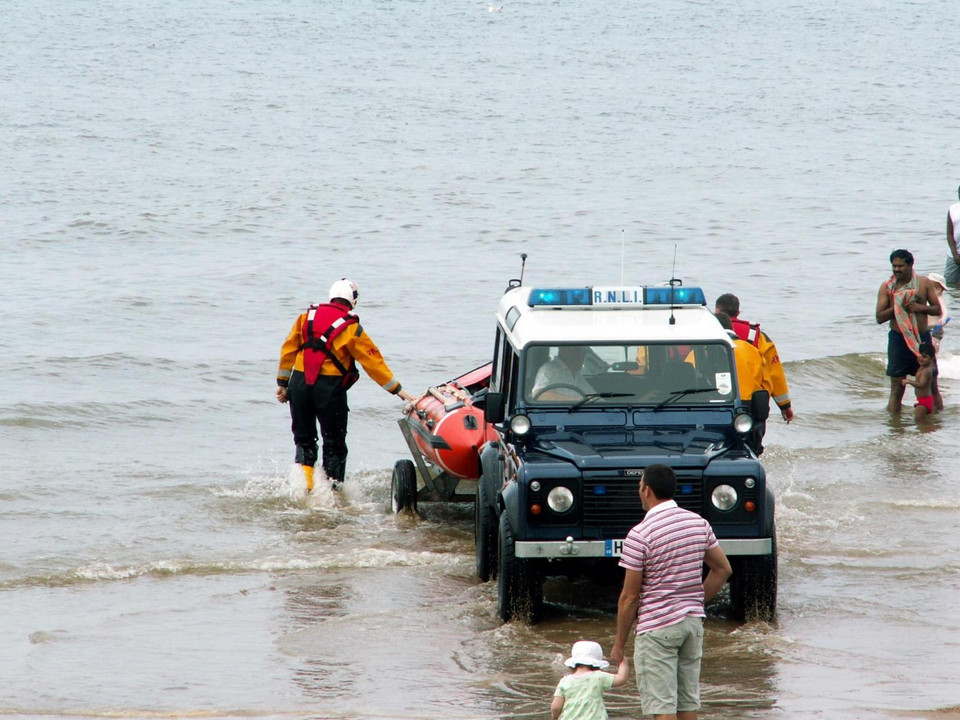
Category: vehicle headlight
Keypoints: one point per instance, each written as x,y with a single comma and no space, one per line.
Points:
560,499
724,497
520,424
743,423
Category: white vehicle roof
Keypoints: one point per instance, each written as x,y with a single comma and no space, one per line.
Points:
618,315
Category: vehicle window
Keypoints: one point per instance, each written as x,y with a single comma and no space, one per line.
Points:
497,370
506,370
620,374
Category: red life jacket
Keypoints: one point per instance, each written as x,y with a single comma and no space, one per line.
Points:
318,346
747,331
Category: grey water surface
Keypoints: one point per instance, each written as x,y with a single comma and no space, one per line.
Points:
179,179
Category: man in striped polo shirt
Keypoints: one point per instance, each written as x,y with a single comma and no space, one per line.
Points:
664,593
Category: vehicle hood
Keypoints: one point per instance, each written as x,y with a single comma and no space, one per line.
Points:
631,448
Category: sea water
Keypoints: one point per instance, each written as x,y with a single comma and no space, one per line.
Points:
181,179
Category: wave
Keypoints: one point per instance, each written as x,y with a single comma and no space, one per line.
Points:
87,414
359,558
856,369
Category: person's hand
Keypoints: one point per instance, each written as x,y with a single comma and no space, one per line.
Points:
903,381
786,414
616,654
282,394
404,395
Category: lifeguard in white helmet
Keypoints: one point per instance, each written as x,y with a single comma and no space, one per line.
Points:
318,364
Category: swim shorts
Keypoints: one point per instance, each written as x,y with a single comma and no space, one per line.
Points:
900,359
951,271
926,401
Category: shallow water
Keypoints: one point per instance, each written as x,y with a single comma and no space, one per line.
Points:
181,180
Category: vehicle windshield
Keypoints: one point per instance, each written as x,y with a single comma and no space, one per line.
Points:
658,375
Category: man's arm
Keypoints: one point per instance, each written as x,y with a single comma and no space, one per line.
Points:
951,240
720,571
930,305
933,299
626,611
884,306
773,369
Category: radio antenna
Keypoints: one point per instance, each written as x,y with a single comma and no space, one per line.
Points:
513,282
673,284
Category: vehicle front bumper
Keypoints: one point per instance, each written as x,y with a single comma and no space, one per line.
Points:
570,548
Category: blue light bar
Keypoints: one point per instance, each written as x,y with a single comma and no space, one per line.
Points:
556,297
616,296
674,296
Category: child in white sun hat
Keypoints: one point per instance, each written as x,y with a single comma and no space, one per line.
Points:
940,285
579,695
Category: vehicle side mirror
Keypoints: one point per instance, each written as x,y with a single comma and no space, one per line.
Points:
760,405
493,410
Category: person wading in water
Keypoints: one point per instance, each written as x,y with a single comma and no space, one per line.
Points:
905,300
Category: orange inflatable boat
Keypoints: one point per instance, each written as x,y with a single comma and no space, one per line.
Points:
445,431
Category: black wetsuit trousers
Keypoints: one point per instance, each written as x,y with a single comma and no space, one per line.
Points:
325,402
755,438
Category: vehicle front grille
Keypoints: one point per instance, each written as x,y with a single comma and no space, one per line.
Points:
612,504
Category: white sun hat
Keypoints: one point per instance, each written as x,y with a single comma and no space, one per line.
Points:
586,652
938,279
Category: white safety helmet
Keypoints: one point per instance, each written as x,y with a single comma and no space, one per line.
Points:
346,289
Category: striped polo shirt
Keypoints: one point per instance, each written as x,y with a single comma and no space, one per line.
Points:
668,548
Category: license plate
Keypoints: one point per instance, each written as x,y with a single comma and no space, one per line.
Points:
613,548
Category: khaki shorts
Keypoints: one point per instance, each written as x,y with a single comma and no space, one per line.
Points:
667,663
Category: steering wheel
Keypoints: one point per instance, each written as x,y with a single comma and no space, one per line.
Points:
561,386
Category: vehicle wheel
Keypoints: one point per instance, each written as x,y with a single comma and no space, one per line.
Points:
753,587
403,486
519,582
484,533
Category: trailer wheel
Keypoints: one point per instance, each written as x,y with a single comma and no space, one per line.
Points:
403,486
519,582
753,587
484,533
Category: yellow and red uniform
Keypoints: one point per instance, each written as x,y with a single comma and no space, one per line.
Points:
750,374
353,344
316,385
772,366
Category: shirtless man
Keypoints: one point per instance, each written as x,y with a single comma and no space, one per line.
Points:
906,300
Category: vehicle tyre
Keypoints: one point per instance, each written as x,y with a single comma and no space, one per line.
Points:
484,533
519,582
753,587
403,487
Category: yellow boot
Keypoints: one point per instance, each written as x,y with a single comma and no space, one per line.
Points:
308,472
